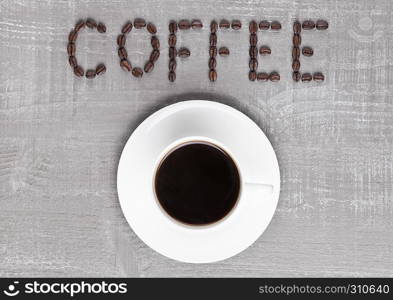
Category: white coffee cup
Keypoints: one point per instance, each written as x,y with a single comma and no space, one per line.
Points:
256,187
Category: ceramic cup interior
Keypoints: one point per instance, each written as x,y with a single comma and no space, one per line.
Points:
197,182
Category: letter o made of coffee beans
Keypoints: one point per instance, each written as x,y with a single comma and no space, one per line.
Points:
125,63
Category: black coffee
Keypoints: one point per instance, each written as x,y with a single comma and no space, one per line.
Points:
197,183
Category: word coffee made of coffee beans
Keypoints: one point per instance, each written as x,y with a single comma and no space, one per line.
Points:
212,52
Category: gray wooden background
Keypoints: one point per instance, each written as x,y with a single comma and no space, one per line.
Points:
61,137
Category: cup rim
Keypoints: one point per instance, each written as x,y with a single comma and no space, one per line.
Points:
172,147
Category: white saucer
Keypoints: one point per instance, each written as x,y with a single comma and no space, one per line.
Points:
229,129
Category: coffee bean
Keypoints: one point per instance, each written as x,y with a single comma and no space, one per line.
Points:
137,72
212,75
252,75
172,40
101,28
213,26
183,52
101,69
213,39
264,25
91,23
296,65
71,49
212,63
90,74
223,51
125,65
319,77
72,36
253,64
274,77
151,28
80,25
295,52
73,62
253,27
149,66
139,23
236,24
297,27
172,76
322,25
308,25
126,28
253,52
262,76
306,77
121,40
253,39
122,52
296,76
172,52
307,51
172,65
184,24
275,25
172,27
155,54
297,40
224,24
213,51
155,42
196,24
78,71
265,50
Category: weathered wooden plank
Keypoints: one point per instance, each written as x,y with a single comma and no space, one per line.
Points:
61,137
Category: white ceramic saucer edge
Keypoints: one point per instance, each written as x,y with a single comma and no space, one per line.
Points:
182,243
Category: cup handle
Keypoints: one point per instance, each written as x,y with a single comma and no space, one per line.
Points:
258,187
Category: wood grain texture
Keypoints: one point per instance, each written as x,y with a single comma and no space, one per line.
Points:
61,137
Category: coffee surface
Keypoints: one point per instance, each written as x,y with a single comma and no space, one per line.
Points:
197,183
